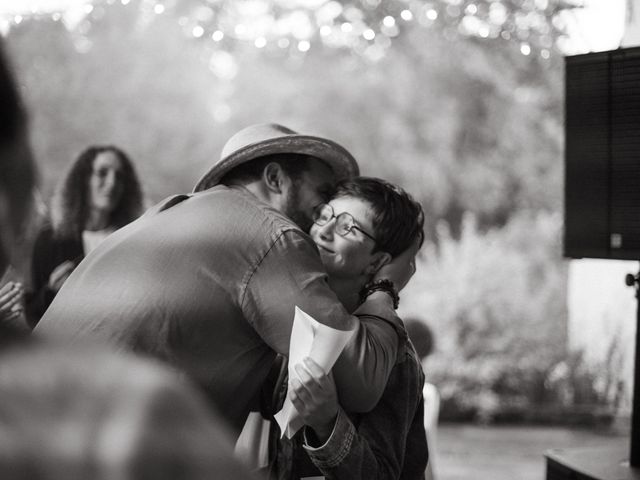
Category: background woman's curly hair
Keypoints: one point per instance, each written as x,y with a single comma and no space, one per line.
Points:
70,205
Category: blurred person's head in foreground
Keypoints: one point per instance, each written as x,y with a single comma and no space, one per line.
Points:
421,336
89,413
290,171
366,224
17,170
100,191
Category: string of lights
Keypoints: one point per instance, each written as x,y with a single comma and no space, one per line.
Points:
367,27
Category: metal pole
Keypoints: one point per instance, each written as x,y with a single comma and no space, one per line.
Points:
634,456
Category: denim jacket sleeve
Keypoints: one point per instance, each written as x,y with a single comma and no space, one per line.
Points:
387,443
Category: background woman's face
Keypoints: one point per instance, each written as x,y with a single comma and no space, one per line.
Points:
106,183
346,256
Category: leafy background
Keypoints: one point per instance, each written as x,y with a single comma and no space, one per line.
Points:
470,126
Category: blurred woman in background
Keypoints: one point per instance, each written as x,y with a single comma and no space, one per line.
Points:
99,194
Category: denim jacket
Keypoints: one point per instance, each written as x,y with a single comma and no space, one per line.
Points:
388,442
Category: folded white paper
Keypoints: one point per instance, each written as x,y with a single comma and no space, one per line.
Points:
323,344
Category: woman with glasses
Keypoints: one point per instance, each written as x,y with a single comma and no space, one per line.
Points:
366,224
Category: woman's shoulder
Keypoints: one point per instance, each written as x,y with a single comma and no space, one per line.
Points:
408,355
48,238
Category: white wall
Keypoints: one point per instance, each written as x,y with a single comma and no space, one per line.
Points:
602,310
632,28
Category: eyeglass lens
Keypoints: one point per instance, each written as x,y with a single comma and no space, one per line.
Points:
344,222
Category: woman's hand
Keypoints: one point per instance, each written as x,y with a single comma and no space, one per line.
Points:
60,275
315,398
401,268
11,295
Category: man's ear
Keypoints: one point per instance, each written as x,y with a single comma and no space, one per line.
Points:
274,177
380,259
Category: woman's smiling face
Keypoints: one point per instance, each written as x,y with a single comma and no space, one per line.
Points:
105,183
350,255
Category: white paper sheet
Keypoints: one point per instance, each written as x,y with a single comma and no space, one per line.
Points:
309,338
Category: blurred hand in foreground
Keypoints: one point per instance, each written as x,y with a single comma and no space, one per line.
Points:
11,300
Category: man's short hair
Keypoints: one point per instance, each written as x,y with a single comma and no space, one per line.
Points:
293,164
397,218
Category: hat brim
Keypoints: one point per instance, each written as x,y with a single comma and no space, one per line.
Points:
335,156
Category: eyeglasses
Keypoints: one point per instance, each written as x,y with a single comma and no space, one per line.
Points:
345,223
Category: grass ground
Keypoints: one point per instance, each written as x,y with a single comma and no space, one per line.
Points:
467,452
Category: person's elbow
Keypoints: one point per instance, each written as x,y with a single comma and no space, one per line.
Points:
361,399
360,388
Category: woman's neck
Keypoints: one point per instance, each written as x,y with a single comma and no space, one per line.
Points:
98,220
348,291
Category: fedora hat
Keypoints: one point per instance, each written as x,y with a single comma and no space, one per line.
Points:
265,139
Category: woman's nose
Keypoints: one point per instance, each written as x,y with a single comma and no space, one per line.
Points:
328,229
110,180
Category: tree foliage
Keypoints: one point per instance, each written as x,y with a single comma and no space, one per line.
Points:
471,126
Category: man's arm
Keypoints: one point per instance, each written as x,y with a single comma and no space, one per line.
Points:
291,274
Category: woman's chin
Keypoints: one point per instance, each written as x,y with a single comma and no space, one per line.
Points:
326,255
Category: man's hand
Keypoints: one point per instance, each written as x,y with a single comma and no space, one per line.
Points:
401,268
315,398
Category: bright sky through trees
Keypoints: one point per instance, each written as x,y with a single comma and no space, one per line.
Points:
599,26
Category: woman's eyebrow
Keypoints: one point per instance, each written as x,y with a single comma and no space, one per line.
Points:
356,222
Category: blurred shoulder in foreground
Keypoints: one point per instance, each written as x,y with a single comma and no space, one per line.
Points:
87,412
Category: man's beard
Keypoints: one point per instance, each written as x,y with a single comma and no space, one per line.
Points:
294,212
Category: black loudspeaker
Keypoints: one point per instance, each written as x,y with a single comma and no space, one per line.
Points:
602,155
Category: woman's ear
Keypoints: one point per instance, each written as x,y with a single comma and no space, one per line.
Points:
380,259
274,177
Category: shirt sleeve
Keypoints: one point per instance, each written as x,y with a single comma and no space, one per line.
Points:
388,443
291,274
378,327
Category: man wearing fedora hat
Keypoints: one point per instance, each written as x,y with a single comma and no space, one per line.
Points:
209,281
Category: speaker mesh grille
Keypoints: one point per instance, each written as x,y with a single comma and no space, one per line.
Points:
602,157
625,153
586,152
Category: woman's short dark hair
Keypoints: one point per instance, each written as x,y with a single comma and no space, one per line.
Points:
70,206
397,218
